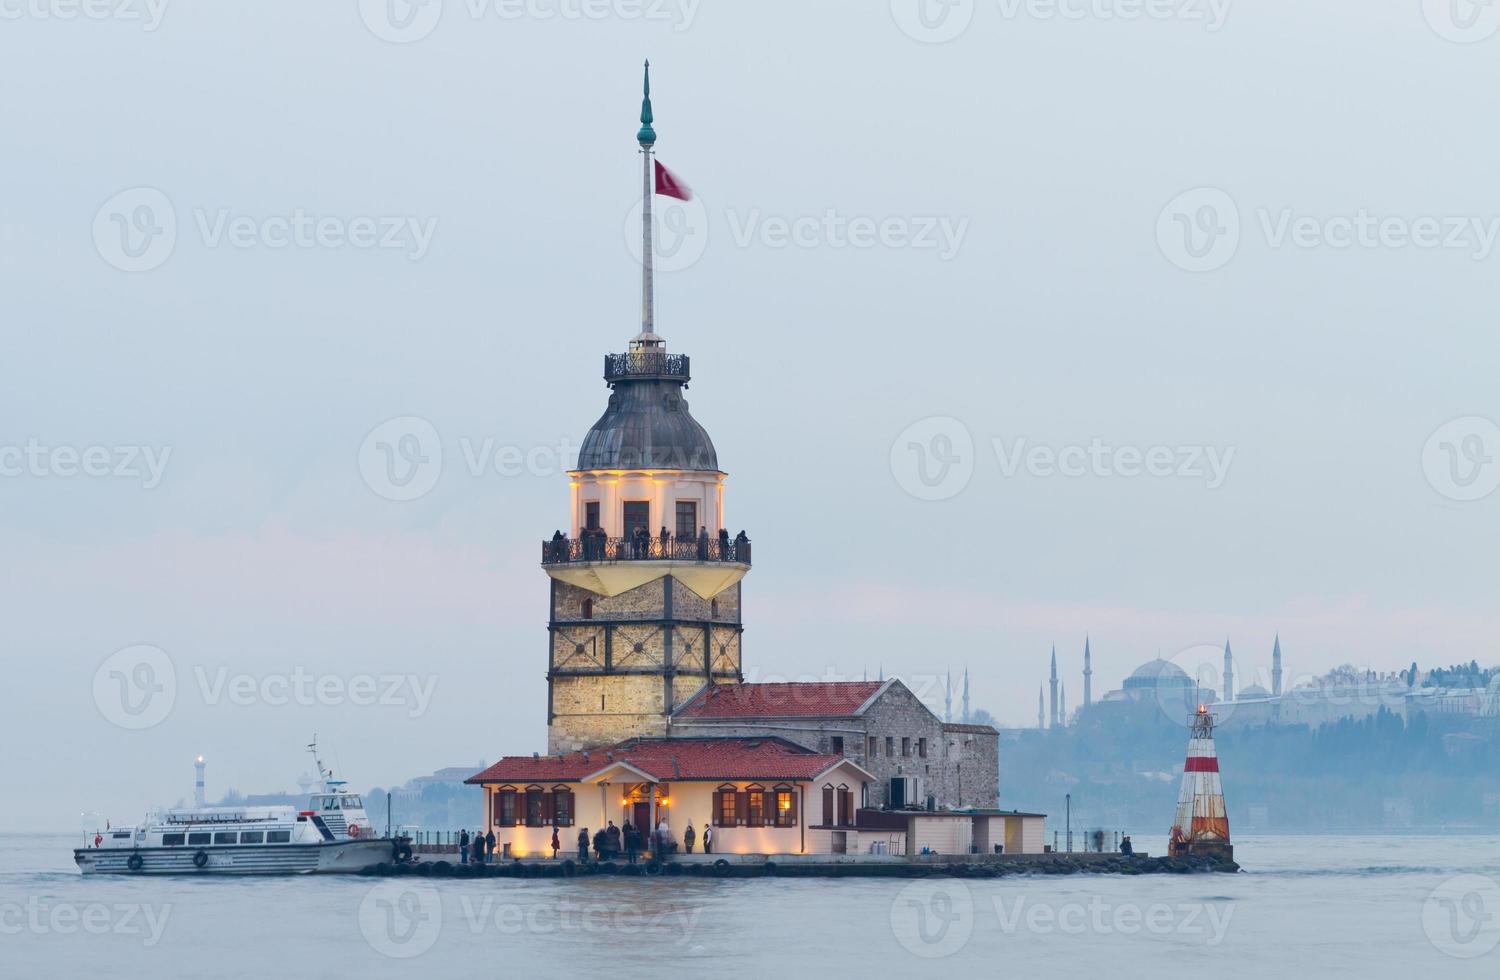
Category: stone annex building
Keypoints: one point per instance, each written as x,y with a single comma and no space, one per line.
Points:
649,718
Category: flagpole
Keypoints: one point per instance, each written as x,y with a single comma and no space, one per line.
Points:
647,139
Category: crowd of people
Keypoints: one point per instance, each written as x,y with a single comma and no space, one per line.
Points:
476,848
594,545
611,842
608,844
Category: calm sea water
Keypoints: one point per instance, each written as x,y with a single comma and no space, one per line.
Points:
1364,907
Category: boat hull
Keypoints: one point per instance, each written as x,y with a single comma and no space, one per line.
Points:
238,859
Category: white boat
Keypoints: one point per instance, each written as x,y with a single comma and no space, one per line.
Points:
332,834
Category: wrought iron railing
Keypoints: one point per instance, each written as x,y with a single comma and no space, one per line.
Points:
645,364
597,547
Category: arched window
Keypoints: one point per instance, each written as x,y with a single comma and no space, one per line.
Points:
830,815
726,806
536,806
504,808
784,800
846,806
755,805
587,609
562,807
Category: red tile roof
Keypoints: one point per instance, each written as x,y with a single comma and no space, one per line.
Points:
669,759
801,699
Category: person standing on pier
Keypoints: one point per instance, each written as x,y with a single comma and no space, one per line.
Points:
632,842
689,838
583,846
612,839
463,847
556,843
708,838
489,846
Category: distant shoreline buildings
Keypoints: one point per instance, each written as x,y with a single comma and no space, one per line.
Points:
1341,693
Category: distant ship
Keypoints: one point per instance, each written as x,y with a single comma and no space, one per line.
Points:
331,834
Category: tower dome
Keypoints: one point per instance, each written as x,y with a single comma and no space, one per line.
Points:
647,424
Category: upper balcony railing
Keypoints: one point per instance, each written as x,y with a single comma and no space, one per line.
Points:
595,546
645,364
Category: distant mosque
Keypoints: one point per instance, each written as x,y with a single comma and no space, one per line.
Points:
1160,681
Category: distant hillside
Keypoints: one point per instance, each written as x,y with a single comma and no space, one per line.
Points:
1376,773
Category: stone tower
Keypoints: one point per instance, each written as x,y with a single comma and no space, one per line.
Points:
644,608
1228,673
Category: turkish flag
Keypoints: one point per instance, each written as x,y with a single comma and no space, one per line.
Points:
670,185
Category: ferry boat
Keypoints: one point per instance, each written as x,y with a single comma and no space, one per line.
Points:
331,834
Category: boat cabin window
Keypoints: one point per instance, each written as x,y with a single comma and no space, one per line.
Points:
172,840
278,836
330,803
352,803
225,837
199,838
252,836
121,835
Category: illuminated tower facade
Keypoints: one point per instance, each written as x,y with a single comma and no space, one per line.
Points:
645,582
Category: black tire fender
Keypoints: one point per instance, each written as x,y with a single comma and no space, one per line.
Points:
200,860
134,863
721,867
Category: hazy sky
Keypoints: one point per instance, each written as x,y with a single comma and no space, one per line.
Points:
1250,244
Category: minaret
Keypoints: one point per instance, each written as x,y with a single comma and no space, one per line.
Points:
1088,674
198,795
645,581
968,718
1276,667
1062,703
1041,714
1228,673
1052,684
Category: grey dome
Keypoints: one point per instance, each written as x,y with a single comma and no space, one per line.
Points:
1158,673
647,426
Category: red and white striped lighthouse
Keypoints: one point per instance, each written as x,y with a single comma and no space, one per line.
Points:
1201,825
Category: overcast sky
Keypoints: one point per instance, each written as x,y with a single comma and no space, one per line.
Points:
1161,324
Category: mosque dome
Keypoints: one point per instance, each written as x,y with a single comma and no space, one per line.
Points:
1253,691
1158,674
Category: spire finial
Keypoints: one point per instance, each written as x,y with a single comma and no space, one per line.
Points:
647,135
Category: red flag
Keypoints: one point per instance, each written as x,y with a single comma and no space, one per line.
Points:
671,185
